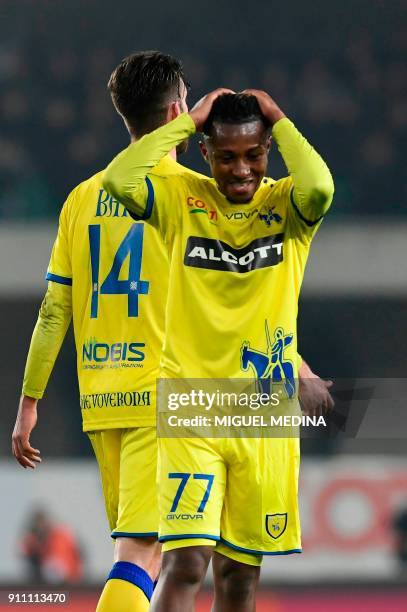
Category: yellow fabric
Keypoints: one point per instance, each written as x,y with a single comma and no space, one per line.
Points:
236,555
49,332
127,461
118,335
246,291
122,596
253,479
313,182
235,276
173,544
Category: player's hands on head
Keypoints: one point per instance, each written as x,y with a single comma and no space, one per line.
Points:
26,455
268,106
200,112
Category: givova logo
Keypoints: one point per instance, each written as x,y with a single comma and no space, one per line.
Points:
99,352
218,255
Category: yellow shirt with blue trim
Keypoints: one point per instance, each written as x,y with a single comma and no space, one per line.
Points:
235,269
117,270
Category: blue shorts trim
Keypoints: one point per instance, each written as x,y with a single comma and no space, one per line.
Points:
133,534
188,536
260,552
63,280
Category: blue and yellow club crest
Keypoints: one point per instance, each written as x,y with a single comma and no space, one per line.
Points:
276,524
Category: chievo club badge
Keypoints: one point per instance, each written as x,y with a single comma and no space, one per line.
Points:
276,524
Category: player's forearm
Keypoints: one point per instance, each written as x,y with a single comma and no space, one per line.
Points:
52,324
125,176
313,184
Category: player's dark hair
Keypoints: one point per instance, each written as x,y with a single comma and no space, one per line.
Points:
142,86
234,109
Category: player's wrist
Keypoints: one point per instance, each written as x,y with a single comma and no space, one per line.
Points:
196,119
275,115
28,403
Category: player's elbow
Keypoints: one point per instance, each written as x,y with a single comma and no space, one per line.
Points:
321,194
116,186
56,307
111,182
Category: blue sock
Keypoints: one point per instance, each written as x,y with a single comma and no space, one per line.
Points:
134,574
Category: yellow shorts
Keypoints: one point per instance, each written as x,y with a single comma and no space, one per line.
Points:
127,461
238,494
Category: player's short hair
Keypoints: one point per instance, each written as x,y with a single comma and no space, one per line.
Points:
142,86
234,109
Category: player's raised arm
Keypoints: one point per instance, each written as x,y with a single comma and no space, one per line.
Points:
313,184
126,177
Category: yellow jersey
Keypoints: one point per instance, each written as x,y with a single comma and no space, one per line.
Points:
235,269
118,269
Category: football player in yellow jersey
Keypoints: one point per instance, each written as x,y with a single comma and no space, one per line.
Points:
111,275
235,278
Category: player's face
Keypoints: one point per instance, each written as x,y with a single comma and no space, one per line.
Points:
238,156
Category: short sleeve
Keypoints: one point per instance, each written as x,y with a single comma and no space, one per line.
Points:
60,266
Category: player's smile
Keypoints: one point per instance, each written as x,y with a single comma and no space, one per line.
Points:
238,189
238,155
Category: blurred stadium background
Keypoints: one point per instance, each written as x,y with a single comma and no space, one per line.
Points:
339,70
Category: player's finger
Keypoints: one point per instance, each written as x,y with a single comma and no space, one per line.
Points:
24,443
222,90
330,402
219,92
25,462
21,455
257,93
251,91
328,383
32,456
27,448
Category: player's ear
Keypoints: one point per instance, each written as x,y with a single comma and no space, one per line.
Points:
269,143
174,110
204,151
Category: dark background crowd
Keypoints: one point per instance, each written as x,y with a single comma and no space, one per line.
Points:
337,69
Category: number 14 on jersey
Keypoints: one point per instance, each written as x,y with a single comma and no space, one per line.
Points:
133,286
